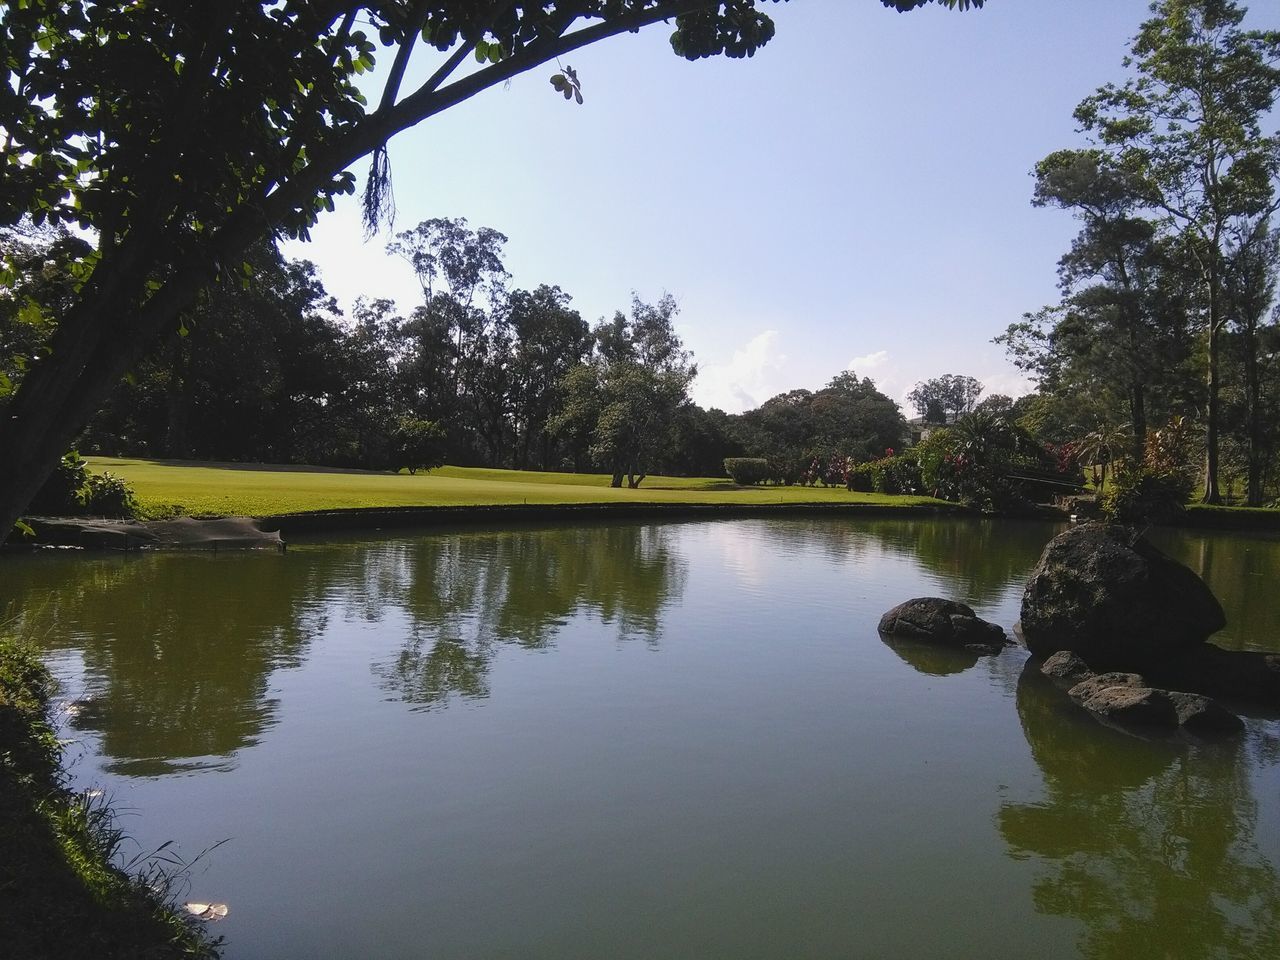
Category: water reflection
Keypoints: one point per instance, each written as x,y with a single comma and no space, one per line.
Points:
176,649
934,659
976,559
1151,844
464,594
1237,566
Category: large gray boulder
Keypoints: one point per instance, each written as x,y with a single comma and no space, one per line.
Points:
1107,594
946,622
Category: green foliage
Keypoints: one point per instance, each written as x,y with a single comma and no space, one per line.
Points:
1155,490
1143,494
848,416
63,493
985,460
945,398
747,471
26,742
623,404
71,489
178,135
1187,127
60,847
862,478
417,445
895,474
107,495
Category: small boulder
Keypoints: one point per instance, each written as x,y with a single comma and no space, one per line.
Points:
1126,704
1096,683
1067,667
1203,716
942,621
1128,700
1108,595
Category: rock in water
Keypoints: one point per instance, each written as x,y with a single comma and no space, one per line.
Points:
1105,593
942,621
1067,667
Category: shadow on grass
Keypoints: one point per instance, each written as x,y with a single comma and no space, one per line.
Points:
268,467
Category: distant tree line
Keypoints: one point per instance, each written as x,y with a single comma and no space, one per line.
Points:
268,369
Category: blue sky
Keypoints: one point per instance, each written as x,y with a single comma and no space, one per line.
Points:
857,195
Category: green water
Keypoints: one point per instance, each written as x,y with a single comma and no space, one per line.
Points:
651,740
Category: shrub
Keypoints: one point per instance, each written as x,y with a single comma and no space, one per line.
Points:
785,470
896,474
747,471
107,495
62,492
1146,494
860,478
1156,490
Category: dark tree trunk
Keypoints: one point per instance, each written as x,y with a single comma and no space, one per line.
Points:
1253,405
1212,383
179,397
95,345
1138,410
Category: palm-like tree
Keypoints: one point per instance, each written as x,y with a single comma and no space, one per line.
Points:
1101,447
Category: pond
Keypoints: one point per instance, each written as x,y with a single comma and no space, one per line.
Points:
651,740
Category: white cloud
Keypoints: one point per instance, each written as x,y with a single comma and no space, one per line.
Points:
1012,383
746,381
870,361
884,373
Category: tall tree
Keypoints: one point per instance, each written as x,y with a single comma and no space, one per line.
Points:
1189,127
178,134
549,339
1250,290
945,398
627,397
1120,331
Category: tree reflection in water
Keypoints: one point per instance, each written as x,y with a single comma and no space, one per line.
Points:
977,559
1147,842
464,594
177,649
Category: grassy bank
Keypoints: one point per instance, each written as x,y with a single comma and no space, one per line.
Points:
225,489
59,894
1232,518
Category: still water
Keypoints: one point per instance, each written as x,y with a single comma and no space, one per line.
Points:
652,740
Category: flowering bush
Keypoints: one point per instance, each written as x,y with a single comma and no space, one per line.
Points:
895,474
1156,490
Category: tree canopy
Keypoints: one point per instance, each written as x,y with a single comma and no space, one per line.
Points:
179,134
1175,194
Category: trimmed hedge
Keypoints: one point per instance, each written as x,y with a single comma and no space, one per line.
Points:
748,471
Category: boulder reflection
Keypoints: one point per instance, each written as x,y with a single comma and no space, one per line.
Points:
933,659
1145,842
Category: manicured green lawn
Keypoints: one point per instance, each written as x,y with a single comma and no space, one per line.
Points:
263,490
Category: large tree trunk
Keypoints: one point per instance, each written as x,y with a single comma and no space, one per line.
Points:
95,345
179,397
1138,411
1253,405
1212,384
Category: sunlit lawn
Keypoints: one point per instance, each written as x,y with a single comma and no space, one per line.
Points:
199,488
